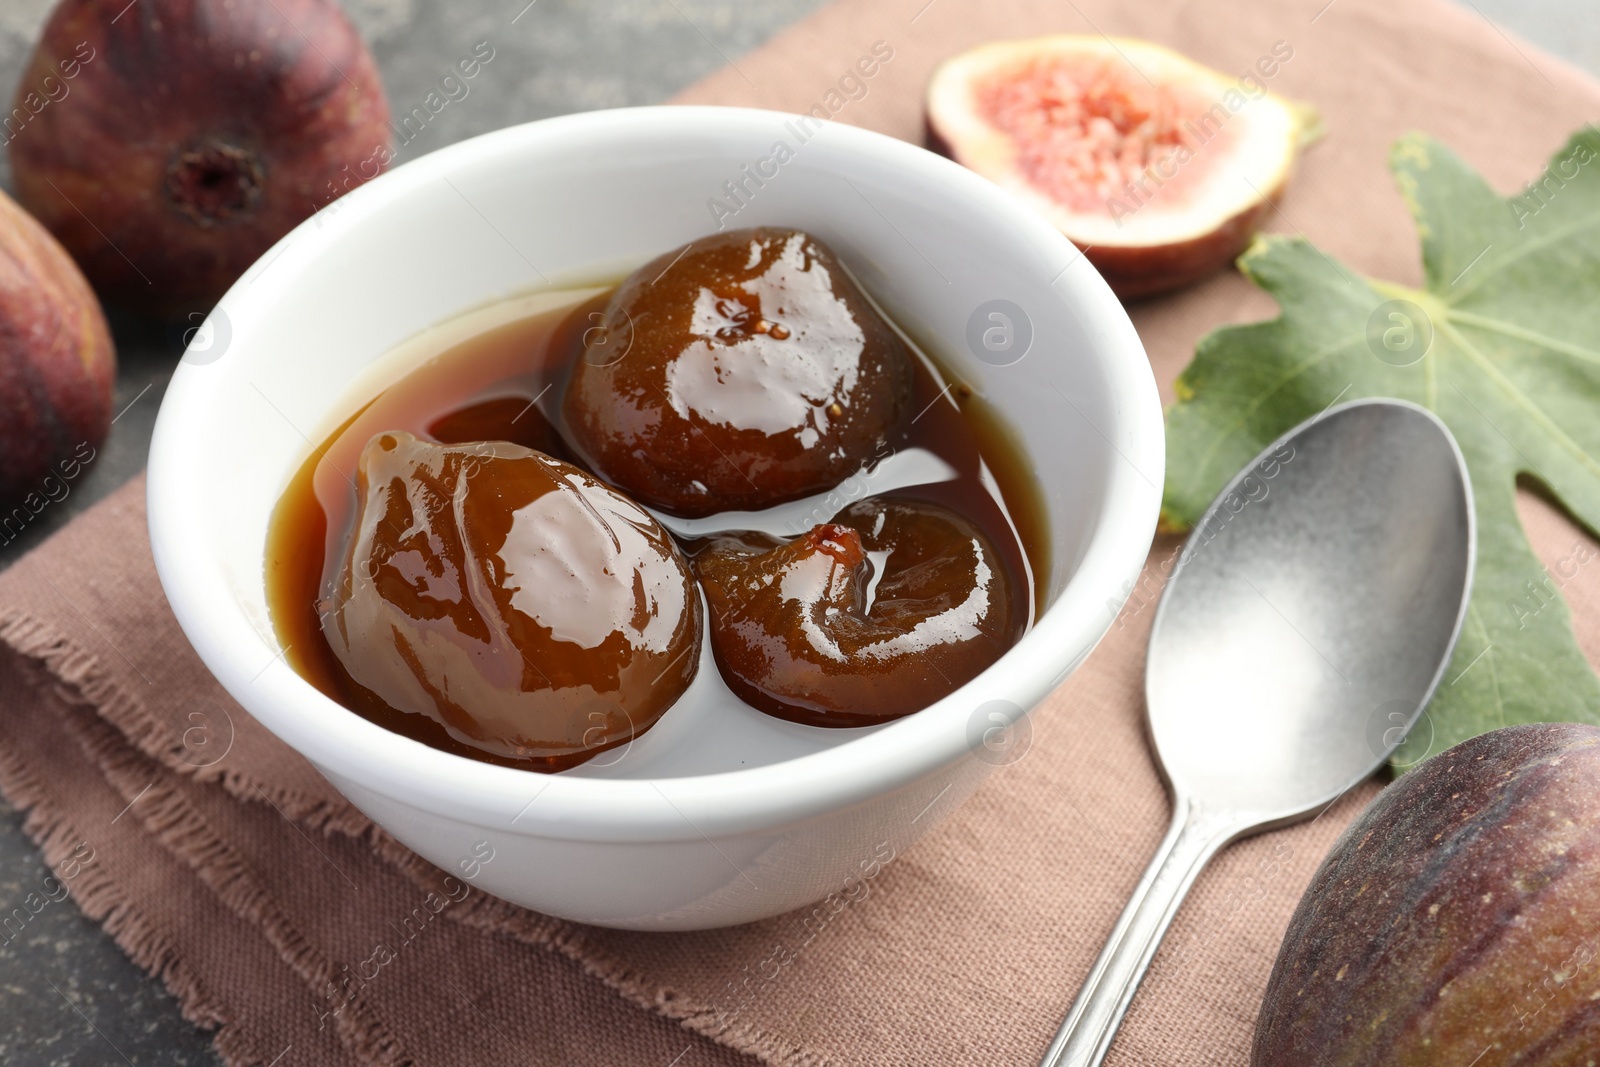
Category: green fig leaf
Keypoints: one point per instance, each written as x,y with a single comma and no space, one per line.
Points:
1502,342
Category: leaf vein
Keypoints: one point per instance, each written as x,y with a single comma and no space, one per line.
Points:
1261,398
1533,337
1494,673
1557,234
1525,402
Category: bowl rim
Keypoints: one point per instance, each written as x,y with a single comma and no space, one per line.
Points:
352,749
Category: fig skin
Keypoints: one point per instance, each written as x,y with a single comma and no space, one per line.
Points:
1180,229
196,134
1135,272
795,636
1458,913
532,612
751,371
57,363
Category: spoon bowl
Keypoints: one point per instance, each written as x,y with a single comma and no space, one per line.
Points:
1308,621
1312,612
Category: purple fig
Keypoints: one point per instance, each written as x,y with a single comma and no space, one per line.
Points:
169,143
57,367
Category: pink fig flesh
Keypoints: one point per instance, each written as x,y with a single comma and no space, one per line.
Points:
1160,169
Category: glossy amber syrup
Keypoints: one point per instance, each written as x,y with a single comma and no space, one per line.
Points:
504,383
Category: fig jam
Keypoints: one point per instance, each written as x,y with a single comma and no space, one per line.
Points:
500,374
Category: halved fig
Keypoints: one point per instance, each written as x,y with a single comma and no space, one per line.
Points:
1160,169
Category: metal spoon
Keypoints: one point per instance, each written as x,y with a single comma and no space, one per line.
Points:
1307,622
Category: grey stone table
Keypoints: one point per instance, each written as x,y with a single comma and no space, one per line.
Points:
67,994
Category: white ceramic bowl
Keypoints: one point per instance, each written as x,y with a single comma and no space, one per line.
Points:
767,816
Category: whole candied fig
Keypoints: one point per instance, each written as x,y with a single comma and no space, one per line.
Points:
804,632
57,368
740,372
169,143
532,612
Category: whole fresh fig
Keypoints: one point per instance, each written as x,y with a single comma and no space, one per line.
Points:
57,367
1457,921
191,135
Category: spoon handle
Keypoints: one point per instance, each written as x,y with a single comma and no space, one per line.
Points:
1196,836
